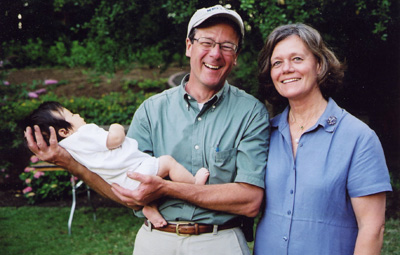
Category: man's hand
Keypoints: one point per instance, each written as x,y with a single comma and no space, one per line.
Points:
149,190
40,148
235,198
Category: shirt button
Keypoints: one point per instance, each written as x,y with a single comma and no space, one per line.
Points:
199,118
196,147
291,191
213,106
189,97
285,238
289,212
187,106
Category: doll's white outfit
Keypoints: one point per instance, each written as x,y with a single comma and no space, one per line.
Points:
88,147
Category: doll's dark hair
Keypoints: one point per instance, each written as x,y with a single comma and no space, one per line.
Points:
44,118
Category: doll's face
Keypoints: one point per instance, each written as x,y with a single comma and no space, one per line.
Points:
75,119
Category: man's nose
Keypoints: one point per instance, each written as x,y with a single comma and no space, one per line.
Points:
216,50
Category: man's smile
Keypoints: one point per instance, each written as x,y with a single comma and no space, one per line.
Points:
212,67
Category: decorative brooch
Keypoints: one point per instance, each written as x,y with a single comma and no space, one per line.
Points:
331,120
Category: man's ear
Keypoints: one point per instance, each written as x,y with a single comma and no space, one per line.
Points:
188,48
236,57
63,132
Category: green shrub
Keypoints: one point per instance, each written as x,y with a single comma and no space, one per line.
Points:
16,103
40,185
58,53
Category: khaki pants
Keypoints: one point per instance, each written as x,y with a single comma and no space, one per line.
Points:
154,242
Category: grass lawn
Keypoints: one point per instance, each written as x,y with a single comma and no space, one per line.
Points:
43,231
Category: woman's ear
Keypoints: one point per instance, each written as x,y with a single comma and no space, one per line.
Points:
319,68
63,132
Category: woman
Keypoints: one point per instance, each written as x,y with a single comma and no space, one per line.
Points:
326,176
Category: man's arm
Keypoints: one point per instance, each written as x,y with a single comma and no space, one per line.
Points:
58,155
370,214
235,198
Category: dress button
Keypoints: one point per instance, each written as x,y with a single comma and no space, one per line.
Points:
189,97
199,118
196,147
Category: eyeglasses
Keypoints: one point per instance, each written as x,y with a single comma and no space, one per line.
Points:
208,44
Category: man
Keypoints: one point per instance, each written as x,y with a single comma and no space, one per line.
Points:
205,122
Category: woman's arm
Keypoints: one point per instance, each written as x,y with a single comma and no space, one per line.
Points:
370,214
58,155
116,136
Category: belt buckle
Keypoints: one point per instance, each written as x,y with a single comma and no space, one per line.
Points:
182,223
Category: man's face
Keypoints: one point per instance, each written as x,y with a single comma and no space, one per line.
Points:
210,67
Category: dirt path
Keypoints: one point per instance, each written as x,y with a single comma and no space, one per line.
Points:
77,82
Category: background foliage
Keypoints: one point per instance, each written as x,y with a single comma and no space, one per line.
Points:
110,35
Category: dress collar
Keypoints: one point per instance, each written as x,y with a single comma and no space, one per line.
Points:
329,120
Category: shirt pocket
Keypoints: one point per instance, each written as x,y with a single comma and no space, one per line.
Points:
222,166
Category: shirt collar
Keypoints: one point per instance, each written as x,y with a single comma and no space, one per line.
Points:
214,99
331,116
329,120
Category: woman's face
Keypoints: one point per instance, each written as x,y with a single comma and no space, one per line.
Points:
294,69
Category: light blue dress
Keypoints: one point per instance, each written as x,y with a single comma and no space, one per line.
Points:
308,206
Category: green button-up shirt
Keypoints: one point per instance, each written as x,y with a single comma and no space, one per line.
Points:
229,136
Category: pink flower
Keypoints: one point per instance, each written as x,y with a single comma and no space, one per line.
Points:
27,181
3,170
6,83
26,190
38,174
40,91
33,95
29,169
34,159
7,176
73,179
50,82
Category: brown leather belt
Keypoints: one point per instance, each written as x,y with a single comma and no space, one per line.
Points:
188,228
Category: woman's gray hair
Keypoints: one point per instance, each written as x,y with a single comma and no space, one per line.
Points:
332,71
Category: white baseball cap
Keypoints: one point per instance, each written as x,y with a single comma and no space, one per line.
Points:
203,14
